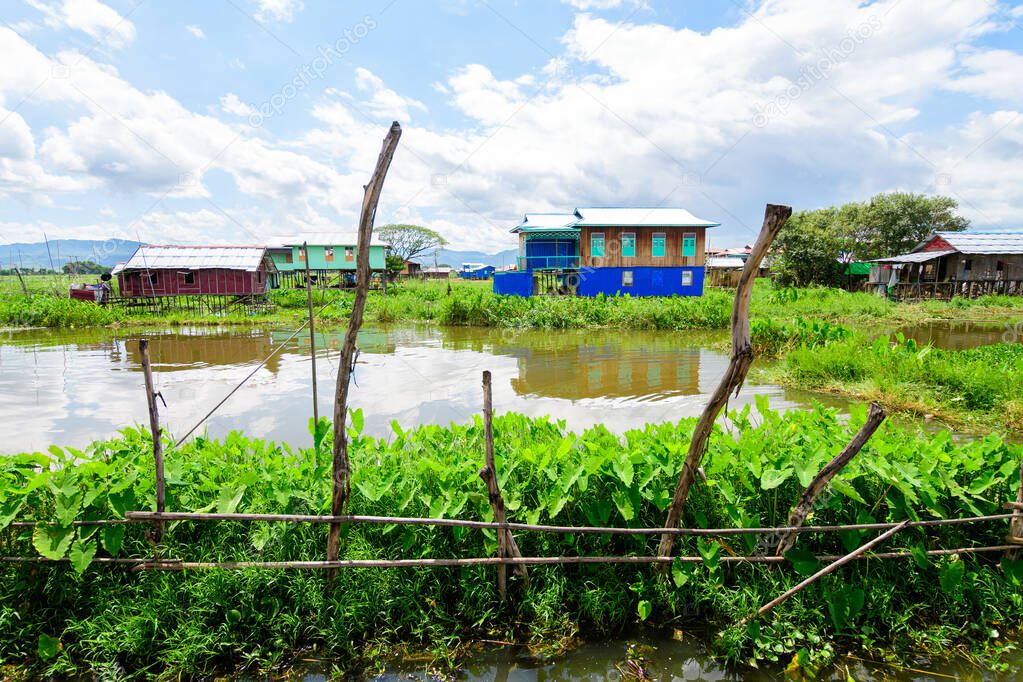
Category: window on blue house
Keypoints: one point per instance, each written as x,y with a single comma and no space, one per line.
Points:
626,278
657,245
597,245
628,244
687,278
689,244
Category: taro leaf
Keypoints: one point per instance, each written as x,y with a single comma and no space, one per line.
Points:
847,489
319,432
844,604
598,512
262,536
710,551
680,572
644,609
229,499
951,574
622,467
556,503
919,553
52,541
122,501
357,421
772,478
624,503
803,561
8,511
113,538
48,647
851,539
1013,571
67,504
81,555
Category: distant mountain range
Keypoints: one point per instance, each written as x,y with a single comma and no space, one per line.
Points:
108,252
113,251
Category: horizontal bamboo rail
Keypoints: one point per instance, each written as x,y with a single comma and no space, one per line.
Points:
177,564
145,516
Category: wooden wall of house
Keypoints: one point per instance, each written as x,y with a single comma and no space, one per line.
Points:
644,239
986,267
172,282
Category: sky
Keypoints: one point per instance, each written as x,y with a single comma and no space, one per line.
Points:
225,121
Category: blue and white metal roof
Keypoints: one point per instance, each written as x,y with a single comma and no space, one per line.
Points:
984,242
610,217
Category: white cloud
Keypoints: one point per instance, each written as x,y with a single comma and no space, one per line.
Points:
196,32
384,102
230,104
993,74
95,19
277,10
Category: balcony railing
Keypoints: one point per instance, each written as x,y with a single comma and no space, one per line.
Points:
548,263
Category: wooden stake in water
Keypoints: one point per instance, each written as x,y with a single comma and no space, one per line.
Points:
312,330
154,427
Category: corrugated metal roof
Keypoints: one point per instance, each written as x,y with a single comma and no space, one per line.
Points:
726,262
639,217
147,257
917,257
335,238
547,221
979,243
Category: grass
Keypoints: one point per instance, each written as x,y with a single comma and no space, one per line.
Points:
82,618
980,389
474,304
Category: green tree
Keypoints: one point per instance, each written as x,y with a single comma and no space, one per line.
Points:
812,245
409,241
85,267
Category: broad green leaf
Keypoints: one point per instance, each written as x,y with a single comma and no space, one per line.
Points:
52,541
623,469
598,513
48,647
229,499
772,478
644,608
1013,571
113,538
81,555
951,574
679,573
9,511
803,561
710,551
357,420
847,489
624,503
919,553
122,501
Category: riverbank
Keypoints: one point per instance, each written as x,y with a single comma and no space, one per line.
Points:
462,303
89,618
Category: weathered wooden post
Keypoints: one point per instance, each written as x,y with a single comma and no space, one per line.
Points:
24,289
1016,526
506,545
821,480
312,331
340,465
154,427
742,357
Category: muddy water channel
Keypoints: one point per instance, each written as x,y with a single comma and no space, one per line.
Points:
71,387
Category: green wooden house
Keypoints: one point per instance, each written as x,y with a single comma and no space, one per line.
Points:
331,258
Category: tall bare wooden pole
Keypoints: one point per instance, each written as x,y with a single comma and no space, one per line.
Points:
312,330
1016,526
742,357
154,427
24,289
341,467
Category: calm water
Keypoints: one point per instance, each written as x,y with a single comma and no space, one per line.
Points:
963,335
74,386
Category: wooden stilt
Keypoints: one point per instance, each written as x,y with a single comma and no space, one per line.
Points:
340,465
312,332
154,427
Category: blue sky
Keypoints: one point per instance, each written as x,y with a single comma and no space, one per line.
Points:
229,120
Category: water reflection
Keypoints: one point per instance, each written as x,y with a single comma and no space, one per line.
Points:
963,335
74,386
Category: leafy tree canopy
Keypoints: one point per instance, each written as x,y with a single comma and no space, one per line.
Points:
86,267
409,241
811,245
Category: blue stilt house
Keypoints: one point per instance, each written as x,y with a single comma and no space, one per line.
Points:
637,251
